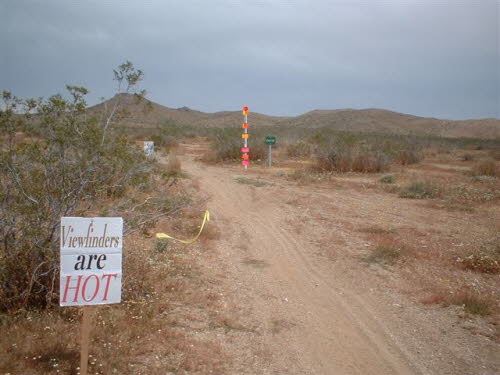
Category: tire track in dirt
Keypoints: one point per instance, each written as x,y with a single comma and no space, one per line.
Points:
350,315
335,331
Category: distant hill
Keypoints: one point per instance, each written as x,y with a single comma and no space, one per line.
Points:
148,114
384,121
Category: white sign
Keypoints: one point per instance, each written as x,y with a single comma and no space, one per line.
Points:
91,260
149,148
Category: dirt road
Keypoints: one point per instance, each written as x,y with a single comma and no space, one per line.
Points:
308,306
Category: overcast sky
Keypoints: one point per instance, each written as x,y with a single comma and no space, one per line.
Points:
429,58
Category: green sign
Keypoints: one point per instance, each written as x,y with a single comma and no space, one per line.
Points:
270,140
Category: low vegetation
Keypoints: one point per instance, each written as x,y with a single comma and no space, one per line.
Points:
342,152
56,161
487,167
388,179
227,144
249,181
383,254
299,149
467,157
420,190
470,301
484,258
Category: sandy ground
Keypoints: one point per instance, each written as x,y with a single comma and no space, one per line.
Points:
303,302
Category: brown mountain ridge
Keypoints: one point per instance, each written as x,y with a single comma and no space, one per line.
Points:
148,114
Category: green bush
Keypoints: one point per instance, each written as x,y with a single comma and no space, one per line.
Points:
341,156
64,161
227,144
364,152
420,190
388,179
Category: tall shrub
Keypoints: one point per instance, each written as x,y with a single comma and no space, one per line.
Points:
56,160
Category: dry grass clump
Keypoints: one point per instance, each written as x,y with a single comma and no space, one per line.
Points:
173,166
299,149
374,229
463,192
484,258
495,154
342,159
388,179
388,249
249,181
470,301
467,157
227,143
383,254
310,175
420,190
487,167
409,156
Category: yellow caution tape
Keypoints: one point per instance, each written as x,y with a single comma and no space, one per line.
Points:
205,219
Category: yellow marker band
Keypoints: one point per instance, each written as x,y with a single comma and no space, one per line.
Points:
187,242
244,136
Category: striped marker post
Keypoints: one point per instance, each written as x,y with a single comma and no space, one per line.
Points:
245,149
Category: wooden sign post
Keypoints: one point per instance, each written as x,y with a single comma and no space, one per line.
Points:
91,268
84,339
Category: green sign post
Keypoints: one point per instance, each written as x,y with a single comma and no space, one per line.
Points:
270,140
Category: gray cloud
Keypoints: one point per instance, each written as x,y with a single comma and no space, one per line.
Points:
431,58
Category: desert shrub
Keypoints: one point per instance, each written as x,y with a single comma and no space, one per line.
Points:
370,161
383,254
471,303
167,135
486,167
299,149
463,192
73,161
409,156
350,155
388,179
484,258
467,157
163,141
227,144
495,154
336,157
484,179
249,181
173,166
161,245
363,152
419,190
